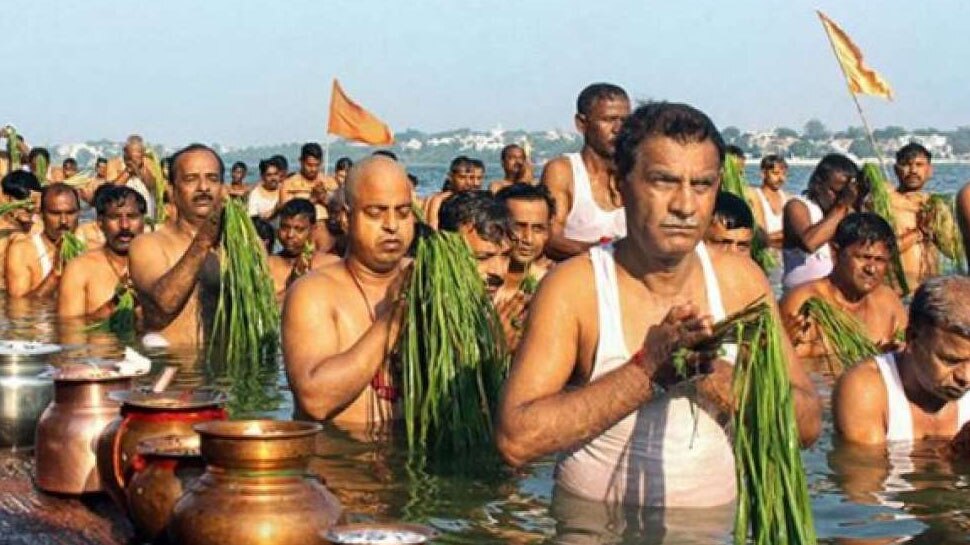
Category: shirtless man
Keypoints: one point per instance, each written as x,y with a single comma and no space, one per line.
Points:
33,264
22,148
90,282
297,218
917,248
516,167
769,199
263,199
594,377
861,250
460,178
300,184
337,322
588,206
920,392
732,226
237,185
136,173
810,220
531,210
175,270
100,178
18,185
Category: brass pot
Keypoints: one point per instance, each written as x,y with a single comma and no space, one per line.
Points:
67,431
24,394
163,469
145,415
255,490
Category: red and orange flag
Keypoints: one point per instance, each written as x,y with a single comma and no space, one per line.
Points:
350,121
861,79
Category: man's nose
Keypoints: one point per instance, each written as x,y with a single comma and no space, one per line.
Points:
682,203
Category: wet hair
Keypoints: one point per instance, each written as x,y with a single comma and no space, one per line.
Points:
830,165
264,230
732,212
109,195
911,151
34,152
527,192
769,162
508,149
598,91
943,302
386,153
299,207
478,208
681,122
100,161
239,164
344,163
18,184
736,151
413,179
55,189
311,149
477,163
190,149
281,162
864,227
69,161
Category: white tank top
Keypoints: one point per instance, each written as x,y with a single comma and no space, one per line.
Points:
587,222
899,418
135,183
44,258
800,266
774,223
657,455
261,201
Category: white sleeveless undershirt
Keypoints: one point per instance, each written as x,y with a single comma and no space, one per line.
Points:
658,455
44,258
587,222
774,223
899,418
800,266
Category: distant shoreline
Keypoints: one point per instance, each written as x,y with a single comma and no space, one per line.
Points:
809,161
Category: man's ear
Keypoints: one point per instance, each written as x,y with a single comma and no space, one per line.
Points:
580,121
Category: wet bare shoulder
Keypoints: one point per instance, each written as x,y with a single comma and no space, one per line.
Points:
558,173
740,279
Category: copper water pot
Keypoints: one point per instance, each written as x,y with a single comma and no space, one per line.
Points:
68,430
256,490
163,469
145,415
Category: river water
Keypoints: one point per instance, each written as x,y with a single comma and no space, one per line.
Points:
859,496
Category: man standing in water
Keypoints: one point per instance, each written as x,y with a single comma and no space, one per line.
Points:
136,174
770,200
516,166
861,250
175,270
91,280
338,322
810,221
237,185
34,266
531,209
297,219
920,392
300,185
917,249
264,197
594,376
460,178
588,206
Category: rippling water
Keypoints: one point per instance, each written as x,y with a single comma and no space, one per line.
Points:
859,496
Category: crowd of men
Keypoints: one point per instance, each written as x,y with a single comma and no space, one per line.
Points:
636,254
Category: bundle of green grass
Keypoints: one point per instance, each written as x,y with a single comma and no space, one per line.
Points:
732,181
122,321
8,207
71,247
881,205
844,336
155,166
946,233
244,341
451,350
13,152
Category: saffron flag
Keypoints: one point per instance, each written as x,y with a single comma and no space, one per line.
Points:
349,120
861,79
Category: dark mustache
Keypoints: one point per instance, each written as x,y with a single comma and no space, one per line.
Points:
688,223
202,197
494,280
125,234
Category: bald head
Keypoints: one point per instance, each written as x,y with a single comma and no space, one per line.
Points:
53,191
374,171
943,302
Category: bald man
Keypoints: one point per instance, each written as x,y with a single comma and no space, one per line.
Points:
337,321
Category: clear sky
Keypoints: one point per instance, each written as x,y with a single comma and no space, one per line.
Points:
252,72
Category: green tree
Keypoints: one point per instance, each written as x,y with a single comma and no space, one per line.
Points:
815,130
785,132
731,134
860,147
801,148
891,131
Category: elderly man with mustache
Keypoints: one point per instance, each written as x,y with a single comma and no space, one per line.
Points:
92,280
175,270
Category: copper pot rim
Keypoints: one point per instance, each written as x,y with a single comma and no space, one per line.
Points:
169,401
269,429
332,534
171,446
75,380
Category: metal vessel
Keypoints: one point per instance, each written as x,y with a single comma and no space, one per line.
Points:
163,469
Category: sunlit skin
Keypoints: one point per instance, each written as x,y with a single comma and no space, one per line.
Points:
175,269
339,320
599,129
723,239
101,170
800,232
460,179
856,286
478,177
289,264
24,275
70,170
491,258
301,184
310,167
514,164
772,180
917,249
530,222
89,281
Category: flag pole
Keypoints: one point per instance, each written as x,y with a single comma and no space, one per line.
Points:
855,99
326,155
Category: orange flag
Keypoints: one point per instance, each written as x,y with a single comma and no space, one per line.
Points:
861,79
349,120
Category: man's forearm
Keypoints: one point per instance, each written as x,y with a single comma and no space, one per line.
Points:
822,232
47,287
172,291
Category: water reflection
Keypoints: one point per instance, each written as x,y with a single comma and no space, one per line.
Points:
860,496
